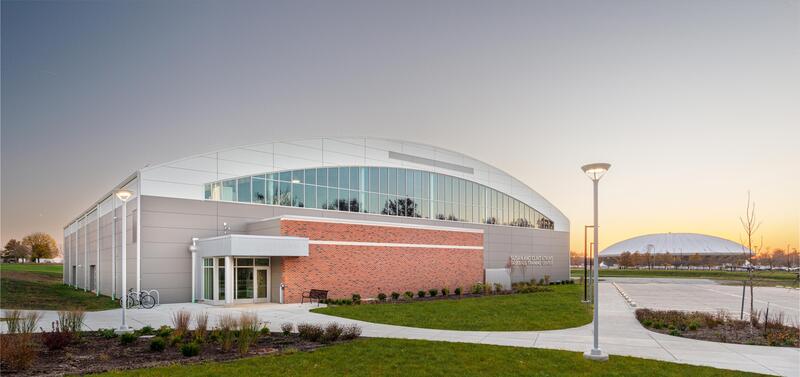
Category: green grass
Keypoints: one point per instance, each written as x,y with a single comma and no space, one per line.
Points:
770,277
40,287
561,308
33,267
396,357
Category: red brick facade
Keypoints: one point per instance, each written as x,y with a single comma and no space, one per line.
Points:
371,269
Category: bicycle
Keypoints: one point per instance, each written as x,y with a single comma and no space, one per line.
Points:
143,299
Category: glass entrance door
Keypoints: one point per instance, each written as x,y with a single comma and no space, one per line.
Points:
262,284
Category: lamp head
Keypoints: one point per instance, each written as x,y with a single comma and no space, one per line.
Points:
124,195
595,171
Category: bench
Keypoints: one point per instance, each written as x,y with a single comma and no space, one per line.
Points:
314,294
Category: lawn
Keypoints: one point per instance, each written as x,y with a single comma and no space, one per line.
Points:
764,277
394,357
561,308
31,286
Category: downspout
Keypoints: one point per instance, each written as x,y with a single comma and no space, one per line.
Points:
193,249
85,253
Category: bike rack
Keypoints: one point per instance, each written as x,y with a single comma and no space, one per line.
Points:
155,294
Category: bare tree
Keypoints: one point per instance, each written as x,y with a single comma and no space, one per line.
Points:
750,225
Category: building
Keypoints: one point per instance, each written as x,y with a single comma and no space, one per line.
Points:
269,221
676,244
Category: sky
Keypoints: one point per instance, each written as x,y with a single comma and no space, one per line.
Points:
694,103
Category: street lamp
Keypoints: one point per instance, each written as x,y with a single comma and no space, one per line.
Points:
595,172
124,195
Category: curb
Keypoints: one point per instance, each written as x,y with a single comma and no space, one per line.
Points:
628,299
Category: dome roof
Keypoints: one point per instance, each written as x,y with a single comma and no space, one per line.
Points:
675,243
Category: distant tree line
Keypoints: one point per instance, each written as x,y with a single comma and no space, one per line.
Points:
33,247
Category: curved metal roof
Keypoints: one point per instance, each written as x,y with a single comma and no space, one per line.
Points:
676,243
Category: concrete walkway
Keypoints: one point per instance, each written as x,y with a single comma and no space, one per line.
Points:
620,334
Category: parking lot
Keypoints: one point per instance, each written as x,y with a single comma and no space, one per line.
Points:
709,296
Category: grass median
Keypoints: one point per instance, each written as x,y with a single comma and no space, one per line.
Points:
40,287
557,309
396,357
765,278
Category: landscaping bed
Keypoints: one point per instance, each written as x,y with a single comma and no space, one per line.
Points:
64,351
721,327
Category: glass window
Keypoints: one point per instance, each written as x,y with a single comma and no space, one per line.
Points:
418,184
374,179
298,197
272,192
229,190
243,261
216,191
244,283
322,177
311,197
322,197
311,176
221,280
426,185
262,261
285,195
243,190
259,189
401,181
435,187
363,179
208,280
384,180
286,176
344,178
448,189
392,182
355,206
333,177
207,191
354,172
468,196
362,200
298,176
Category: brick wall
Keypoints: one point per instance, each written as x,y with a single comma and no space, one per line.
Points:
368,270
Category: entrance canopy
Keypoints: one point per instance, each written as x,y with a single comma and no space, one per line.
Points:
244,245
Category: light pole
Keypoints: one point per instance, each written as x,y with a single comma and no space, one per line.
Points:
585,266
124,196
595,172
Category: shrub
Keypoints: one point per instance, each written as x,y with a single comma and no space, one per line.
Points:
180,321
71,320
546,279
248,331
227,326
356,298
164,331
158,344
445,291
478,288
421,294
147,330
310,332
128,338
541,282
56,339
332,332
647,323
264,331
17,351
395,296
107,333
201,329
287,327
457,291
693,326
433,292
381,296
18,322
351,332
190,349
498,287
674,332
409,295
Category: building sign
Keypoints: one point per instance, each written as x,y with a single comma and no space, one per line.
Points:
531,260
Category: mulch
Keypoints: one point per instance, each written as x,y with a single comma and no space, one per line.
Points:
94,354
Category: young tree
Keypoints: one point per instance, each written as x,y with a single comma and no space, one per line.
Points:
750,225
16,250
42,245
625,259
778,258
695,260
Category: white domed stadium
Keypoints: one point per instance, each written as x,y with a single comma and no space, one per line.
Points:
676,244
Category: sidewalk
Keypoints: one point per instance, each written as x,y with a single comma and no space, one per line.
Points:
620,334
